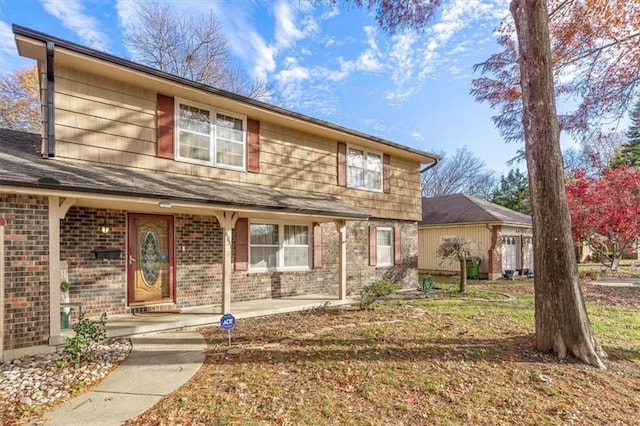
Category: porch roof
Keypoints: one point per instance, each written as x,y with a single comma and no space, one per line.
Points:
21,165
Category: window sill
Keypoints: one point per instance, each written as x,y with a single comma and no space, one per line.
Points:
378,191
207,164
272,270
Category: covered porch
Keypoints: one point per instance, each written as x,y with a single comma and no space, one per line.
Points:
131,324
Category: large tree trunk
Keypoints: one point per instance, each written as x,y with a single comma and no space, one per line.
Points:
562,324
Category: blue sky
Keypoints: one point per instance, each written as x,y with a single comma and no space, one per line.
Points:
327,62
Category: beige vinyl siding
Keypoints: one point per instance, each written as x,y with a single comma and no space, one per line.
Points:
107,121
429,238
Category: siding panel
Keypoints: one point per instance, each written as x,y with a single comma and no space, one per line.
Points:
430,238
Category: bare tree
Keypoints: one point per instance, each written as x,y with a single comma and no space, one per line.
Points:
193,47
594,153
460,249
462,172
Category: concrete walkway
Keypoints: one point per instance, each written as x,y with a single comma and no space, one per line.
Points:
158,364
617,282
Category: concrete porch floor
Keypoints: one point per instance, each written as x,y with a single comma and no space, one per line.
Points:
130,324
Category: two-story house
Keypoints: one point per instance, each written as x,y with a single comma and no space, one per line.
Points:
146,189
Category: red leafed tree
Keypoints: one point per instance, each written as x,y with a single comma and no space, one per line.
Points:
605,211
562,323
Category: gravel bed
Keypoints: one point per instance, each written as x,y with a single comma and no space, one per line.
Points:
41,380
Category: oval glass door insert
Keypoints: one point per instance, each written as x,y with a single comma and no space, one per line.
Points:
150,257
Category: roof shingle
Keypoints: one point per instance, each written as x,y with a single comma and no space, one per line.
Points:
463,208
22,165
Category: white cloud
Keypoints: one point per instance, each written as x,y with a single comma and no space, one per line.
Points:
335,11
416,135
263,56
71,15
9,58
413,57
293,75
126,10
375,125
403,64
7,43
286,31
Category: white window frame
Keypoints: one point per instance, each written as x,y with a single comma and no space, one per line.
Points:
390,248
281,246
213,114
366,153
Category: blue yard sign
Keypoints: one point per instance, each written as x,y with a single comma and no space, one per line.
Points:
227,322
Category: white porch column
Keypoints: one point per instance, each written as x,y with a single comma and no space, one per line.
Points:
57,211
341,226
227,221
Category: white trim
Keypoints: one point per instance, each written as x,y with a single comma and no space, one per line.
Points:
54,268
213,113
366,151
280,246
391,247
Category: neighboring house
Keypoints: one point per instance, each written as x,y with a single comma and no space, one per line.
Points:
147,190
585,254
504,237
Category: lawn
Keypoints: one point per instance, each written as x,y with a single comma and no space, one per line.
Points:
410,360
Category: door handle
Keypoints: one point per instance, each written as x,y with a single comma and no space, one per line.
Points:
131,259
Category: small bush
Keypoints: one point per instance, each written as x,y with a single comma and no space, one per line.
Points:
377,289
87,334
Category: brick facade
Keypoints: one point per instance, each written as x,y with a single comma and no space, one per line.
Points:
495,254
359,273
100,284
198,260
26,292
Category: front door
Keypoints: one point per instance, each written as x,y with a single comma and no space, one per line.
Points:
150,258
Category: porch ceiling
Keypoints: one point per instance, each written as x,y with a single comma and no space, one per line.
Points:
21,166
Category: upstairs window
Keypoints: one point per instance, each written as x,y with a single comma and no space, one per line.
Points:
210,137
364,169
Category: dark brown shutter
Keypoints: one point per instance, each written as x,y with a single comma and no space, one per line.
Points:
317,245
342,164
242,244
253,146
386,173
373,245
165,122
397,247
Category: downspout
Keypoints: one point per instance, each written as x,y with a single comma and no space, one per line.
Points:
51,138
430,166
